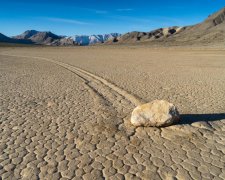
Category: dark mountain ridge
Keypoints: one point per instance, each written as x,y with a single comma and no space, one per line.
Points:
7,39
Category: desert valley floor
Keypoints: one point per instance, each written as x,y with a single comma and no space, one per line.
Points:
65,113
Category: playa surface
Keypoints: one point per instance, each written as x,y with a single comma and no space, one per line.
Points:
65,113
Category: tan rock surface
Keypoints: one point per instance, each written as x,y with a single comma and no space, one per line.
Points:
157,113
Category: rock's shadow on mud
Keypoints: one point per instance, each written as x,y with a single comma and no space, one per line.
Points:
191,118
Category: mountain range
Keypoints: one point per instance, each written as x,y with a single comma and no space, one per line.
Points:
210,31
48,38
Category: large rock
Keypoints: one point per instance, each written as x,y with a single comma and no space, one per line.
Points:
156,113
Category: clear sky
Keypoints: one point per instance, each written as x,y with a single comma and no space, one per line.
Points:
75,17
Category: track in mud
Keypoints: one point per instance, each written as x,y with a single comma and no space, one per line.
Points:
87,76
109,99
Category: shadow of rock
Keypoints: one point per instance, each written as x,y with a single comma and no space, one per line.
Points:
192,118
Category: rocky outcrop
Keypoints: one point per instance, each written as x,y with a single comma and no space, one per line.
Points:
210,31
63,42
157,113
136,36
44,38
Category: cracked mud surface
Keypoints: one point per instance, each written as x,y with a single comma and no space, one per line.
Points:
65,113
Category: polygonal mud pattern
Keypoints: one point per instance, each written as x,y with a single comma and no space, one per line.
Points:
57,123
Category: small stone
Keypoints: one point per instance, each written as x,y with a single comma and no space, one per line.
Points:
156,113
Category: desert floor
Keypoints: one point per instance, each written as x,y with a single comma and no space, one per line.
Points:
65,113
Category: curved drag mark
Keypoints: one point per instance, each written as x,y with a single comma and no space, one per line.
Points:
134,100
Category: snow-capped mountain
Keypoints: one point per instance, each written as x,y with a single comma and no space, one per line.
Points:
93,39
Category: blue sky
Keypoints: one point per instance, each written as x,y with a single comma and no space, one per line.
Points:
70,17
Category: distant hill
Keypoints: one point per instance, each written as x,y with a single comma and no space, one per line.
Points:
135,36
26,34
48,38
38,37
44,38
210,31
6,39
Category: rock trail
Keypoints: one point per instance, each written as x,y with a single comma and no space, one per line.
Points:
87,75
119,101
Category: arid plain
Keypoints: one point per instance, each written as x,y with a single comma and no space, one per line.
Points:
65,113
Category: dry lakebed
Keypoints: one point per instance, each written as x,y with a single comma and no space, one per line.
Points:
65,113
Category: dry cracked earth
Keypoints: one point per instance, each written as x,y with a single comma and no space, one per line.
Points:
65,113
